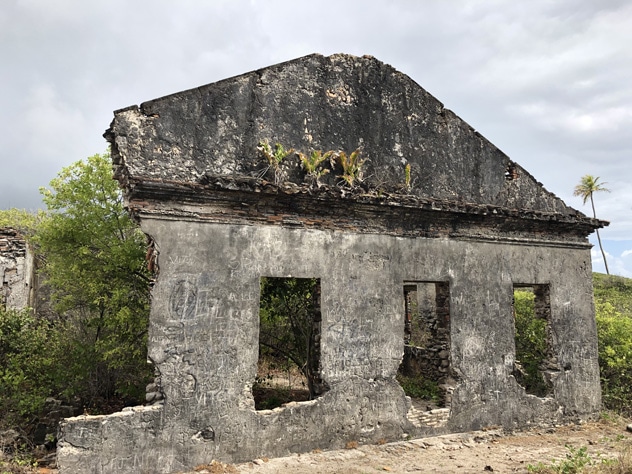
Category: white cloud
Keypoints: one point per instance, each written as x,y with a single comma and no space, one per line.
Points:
619,267
618,254
575,120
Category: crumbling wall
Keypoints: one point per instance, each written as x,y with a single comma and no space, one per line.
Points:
203,340
337,102
469,219
17,272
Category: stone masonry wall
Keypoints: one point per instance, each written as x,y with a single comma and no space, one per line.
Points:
17,274
203,341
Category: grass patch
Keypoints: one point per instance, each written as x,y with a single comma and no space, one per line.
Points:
420,387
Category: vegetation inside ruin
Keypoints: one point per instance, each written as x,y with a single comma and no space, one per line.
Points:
420,387
288,334
531,345
278,381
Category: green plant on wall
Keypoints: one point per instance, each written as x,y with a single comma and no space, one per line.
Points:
351,163
407,182
312,163
351,166
274,157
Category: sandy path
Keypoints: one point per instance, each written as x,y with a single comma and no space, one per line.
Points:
477,452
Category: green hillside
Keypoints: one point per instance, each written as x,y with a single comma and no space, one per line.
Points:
613,307
615,290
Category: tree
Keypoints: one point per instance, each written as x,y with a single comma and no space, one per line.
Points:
32,360
585,189
290,325
94,263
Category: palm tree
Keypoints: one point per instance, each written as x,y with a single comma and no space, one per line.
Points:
587,186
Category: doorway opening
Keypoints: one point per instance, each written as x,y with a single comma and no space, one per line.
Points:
535,362
288,367
425,373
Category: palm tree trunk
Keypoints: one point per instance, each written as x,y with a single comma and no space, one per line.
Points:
602,253
592,203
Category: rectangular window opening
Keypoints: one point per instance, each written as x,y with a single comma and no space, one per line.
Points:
534,364
288,368
425,373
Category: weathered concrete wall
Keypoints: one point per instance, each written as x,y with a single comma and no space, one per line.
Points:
337,102
17,272
203,340
470,217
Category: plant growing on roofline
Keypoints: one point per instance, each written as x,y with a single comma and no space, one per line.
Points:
407,182
274,157
351,166
312,163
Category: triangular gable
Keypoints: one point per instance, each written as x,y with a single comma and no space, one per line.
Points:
338,102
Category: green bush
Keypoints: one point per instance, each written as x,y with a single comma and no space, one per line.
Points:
420,387
94,262
613,310
31,364
615,357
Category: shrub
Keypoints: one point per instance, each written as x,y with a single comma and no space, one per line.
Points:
615,357
420,387
31,364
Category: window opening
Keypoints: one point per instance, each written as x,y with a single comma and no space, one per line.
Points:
425,373
534,366
288,367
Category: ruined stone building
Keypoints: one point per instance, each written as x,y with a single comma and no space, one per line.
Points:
17,271
428,224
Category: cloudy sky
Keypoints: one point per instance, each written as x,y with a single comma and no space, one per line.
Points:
547,81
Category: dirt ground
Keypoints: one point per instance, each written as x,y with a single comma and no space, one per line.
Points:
476,452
